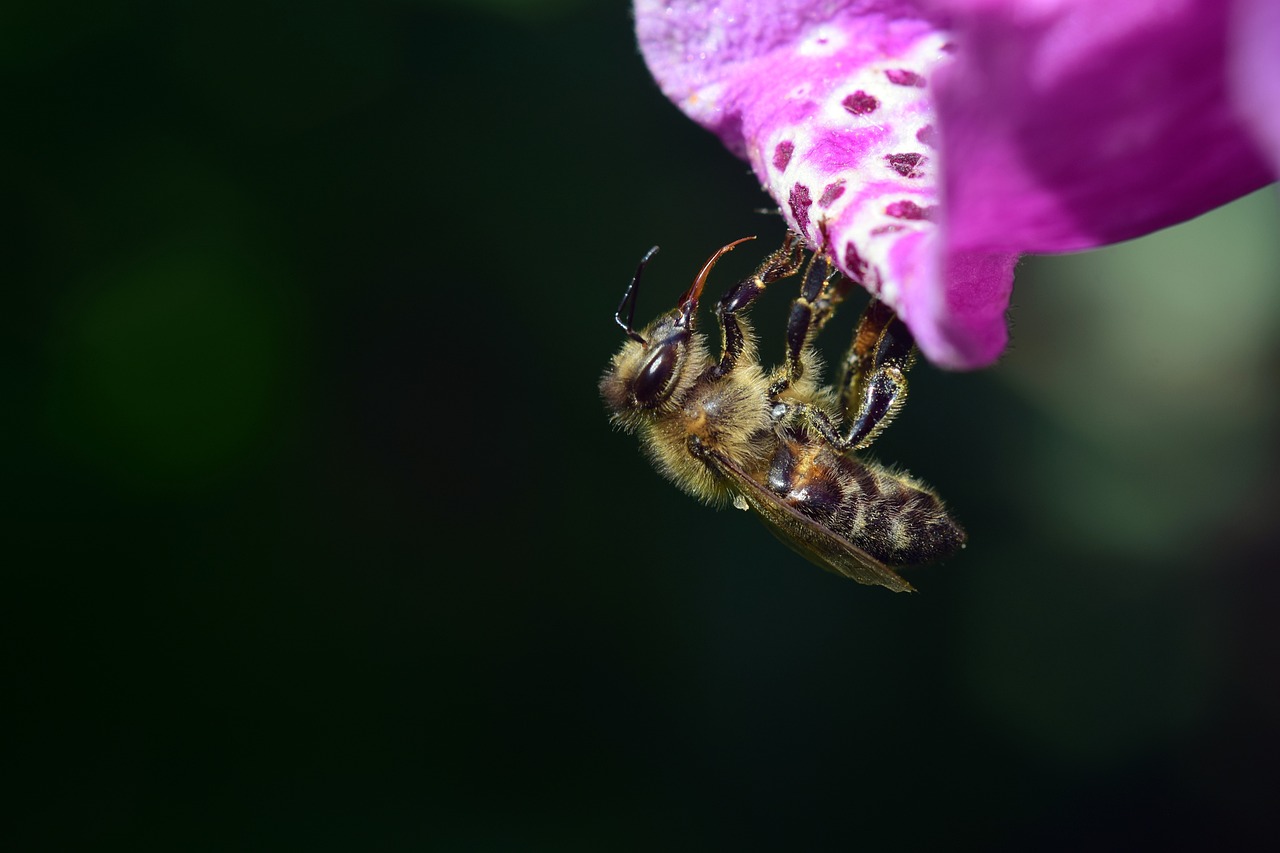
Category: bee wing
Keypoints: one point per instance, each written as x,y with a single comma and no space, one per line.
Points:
811,540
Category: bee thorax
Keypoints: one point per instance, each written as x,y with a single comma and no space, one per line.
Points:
726,417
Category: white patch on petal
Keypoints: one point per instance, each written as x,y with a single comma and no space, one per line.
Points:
704,104
823,41
857,214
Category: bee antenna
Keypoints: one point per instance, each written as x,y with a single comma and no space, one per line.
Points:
630,297
689,302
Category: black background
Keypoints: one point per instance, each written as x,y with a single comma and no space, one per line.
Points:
318,537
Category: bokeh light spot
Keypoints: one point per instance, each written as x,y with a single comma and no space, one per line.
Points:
166,371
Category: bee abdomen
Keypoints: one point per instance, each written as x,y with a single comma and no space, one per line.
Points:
898,522
891,517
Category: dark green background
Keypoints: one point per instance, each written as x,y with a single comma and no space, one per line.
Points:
316,535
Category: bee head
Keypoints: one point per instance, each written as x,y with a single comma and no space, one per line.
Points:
643,374
654,364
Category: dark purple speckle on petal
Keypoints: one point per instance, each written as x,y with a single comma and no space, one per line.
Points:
907,209
782,155
906,165
860,103
903,77
928,136
831,192
853,262
800,202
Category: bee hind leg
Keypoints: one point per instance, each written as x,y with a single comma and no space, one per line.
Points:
873,387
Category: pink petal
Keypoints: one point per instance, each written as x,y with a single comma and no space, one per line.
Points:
832,109
1069,124
1255,72
1061,124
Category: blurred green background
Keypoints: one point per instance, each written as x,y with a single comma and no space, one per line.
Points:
317,536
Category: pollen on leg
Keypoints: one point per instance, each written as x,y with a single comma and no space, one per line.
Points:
800,201
906,165
782,154
860,103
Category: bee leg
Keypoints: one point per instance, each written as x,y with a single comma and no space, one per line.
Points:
784,262
835,287
822,289
874,384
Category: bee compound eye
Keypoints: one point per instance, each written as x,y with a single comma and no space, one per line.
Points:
655,375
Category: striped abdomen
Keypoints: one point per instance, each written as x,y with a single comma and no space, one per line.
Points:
890,516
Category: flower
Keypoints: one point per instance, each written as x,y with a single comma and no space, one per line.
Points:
926,145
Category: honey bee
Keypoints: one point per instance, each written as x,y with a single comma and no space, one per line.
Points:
779,442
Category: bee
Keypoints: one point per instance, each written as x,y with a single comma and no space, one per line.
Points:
779,442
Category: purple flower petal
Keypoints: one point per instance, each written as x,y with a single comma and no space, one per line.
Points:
1255,72
833,111
1070,124
1018,125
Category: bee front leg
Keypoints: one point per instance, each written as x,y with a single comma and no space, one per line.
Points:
823,288
784,262
874,384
